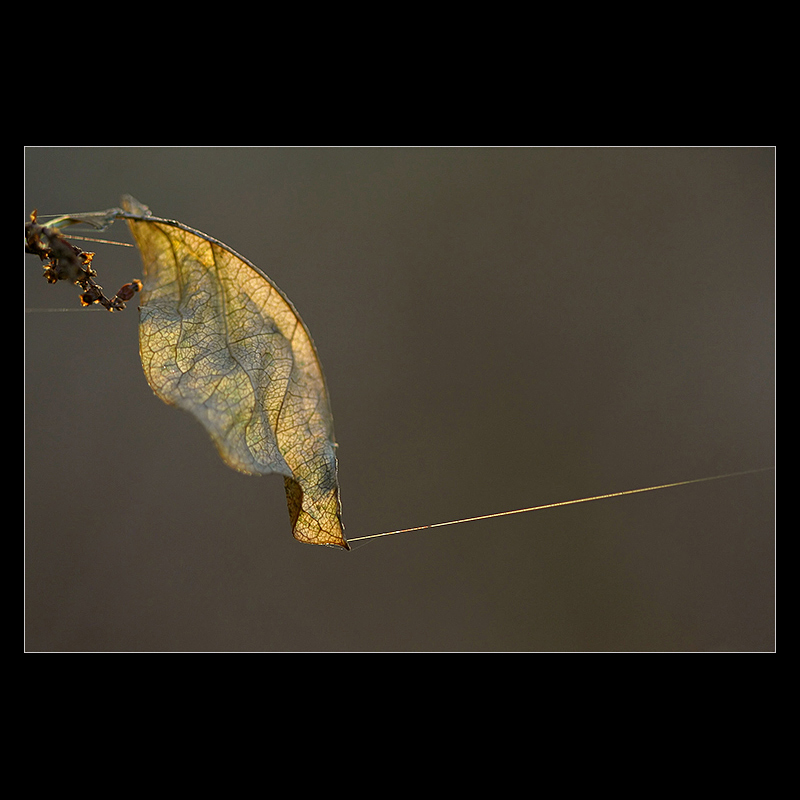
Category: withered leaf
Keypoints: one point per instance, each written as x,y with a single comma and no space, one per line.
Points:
220,340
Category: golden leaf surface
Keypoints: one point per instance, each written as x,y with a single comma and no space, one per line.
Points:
220,340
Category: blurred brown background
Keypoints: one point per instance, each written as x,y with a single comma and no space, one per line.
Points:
499,328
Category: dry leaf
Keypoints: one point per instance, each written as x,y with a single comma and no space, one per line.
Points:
220,340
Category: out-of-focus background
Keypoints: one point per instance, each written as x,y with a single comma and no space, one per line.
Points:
500,328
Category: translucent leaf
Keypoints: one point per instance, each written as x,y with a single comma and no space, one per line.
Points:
219,339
